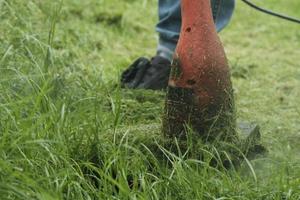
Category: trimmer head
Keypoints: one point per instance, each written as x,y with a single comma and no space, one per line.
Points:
200,93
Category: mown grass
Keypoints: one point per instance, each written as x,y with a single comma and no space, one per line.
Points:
67,131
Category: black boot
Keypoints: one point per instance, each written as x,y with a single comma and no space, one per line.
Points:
147,74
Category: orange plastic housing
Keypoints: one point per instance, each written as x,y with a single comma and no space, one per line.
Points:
200,90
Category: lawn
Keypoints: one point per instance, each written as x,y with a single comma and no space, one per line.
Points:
67,130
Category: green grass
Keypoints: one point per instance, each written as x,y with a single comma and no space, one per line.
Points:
67,131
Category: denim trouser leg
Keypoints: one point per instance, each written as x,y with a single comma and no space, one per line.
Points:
169,23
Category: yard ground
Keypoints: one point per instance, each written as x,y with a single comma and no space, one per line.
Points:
67,131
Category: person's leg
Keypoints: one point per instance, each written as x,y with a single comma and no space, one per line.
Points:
154,73
169,23
168,27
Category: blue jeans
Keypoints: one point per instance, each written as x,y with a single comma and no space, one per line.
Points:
169,23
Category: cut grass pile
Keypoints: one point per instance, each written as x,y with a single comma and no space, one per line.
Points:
67,131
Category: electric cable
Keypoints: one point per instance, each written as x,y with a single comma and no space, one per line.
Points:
282,16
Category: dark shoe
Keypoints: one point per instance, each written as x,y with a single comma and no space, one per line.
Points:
146,74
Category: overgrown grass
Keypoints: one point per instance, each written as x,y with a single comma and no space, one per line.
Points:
67,131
